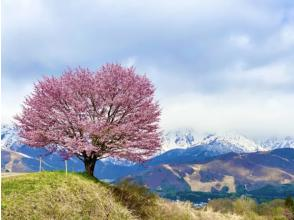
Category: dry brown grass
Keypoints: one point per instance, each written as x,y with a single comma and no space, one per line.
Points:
185,211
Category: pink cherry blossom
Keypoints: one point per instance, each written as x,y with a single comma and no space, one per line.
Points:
92,115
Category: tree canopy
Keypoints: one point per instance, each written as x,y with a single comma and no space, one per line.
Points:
93,114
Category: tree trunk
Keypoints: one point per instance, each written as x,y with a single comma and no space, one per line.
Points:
90,165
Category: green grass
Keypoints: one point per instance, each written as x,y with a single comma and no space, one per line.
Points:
53,195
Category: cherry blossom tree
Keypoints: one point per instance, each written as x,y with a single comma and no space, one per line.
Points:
92,115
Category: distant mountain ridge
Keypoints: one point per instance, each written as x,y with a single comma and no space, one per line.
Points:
186,138
182,138
237,142
9,137
276,143
185,147
223,175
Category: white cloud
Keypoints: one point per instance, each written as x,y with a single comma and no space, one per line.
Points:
215,64
12,98
130,61
254,115
273,74
242,41
287,35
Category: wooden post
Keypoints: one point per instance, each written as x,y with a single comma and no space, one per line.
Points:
40,166
65,161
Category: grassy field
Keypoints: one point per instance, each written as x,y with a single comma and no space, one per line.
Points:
53,195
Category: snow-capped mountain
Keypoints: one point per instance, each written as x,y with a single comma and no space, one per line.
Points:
178,139
118,162
209,147
9,137
275,143
183,139
233,142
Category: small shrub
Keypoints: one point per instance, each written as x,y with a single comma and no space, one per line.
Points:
273,209
221,205
137,198
289,202
244,205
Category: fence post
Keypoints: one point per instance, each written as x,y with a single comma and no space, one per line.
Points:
40,166
65,161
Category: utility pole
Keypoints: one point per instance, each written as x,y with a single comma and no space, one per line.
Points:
65,161
40,167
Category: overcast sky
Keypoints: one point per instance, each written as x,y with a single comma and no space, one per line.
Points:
218,65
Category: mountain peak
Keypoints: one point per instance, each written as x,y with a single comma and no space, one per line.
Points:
242,143
181,138
9,136
276,143
187,138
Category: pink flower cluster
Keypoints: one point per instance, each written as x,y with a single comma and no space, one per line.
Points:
110,112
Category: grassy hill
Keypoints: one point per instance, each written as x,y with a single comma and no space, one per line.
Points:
53,195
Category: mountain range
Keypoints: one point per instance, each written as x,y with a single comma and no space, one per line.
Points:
223,173
189,166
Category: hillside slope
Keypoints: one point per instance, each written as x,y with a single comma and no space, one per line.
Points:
224,174
52,195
